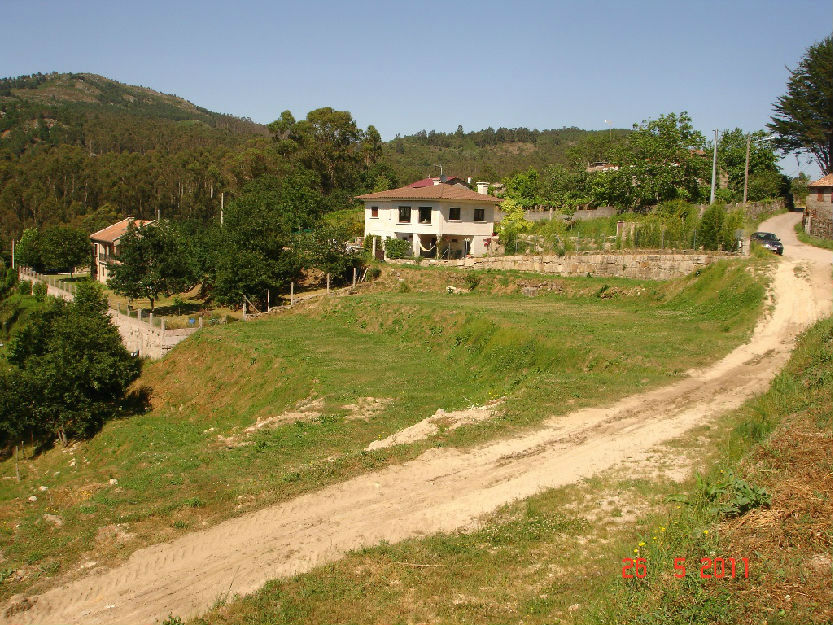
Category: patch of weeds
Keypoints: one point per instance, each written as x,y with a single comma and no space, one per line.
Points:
194,502
731,496
471,280
180,525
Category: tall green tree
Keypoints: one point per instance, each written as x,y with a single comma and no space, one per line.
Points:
731,157
71,361
64,248
660,160
28,251
153,262
803,117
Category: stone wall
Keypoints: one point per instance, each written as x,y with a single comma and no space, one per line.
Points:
818,222
645,265
146,339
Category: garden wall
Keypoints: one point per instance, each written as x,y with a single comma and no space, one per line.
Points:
645,265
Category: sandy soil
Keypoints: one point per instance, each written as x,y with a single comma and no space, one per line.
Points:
443,489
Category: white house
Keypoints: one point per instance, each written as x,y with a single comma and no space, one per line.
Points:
452,216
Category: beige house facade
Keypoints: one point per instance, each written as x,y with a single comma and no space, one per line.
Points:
441,220
106,246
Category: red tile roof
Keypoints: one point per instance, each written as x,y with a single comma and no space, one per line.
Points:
455,192
113,233
827,181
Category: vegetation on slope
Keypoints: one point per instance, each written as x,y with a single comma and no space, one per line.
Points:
326,379
766,494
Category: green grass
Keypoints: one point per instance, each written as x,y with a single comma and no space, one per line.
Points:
806,238
548,560
420,350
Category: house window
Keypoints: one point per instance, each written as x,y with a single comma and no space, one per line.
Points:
404,214
374,212
454,214
480,214
425,214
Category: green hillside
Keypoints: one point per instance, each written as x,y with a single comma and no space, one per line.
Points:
492,154
247,414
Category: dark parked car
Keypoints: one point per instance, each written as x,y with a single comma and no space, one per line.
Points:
769,241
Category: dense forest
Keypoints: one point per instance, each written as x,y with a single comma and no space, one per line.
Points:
84,150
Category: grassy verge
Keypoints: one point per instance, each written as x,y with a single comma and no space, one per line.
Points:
806,238
330,377
765,493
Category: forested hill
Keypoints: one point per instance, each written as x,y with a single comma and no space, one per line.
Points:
84,150
107,116
491,154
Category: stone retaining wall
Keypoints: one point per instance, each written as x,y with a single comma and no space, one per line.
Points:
646,265
818,222
149,341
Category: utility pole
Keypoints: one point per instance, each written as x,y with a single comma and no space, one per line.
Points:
746,169
222,198
714,167
12,252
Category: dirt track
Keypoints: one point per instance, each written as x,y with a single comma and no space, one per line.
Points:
444,489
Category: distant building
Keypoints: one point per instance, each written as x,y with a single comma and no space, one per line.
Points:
435,180
818,215
450,216
598,166
106,245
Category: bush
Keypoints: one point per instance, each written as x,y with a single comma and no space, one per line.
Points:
373,273
397,248
39,290
24,287
472,280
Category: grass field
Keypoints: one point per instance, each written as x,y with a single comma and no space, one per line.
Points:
328,378
557,557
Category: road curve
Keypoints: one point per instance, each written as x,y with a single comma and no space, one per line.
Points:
443,489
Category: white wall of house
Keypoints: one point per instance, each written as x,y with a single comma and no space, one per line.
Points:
384,222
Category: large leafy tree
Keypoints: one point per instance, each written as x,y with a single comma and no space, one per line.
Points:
258,240
660,160
731,157
803,119
64,248
153,262
70,369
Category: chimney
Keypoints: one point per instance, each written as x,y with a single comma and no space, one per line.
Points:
483,188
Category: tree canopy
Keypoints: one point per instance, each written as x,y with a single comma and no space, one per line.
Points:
153,262
803,119
69,370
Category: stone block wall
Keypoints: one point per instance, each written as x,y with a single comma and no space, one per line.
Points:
646,265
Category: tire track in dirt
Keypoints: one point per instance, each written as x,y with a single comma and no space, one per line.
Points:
443,489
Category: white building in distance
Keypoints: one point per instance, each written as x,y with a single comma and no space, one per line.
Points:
452,216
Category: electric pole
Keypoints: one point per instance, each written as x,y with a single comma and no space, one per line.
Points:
714,167
746,169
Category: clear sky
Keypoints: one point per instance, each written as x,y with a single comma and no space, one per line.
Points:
404,66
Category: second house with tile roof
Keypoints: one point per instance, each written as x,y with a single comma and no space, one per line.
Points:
106,245
441,219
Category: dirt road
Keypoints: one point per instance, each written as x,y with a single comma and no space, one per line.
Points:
444,489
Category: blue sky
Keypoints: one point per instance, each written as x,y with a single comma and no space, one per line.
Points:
404,66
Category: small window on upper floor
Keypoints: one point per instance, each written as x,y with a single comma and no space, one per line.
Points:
425,214
480,214
374,212
454,213
404,214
